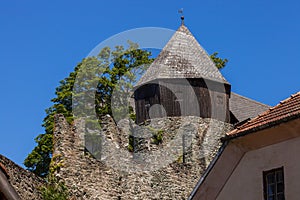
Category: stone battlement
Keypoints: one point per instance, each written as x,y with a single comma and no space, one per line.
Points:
116,175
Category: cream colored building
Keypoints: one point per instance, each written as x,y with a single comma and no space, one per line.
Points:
258,160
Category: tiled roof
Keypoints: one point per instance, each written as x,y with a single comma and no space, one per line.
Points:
2,167
25,183
182,57
285,110
244,108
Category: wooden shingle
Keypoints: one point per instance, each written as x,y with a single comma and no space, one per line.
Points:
182,57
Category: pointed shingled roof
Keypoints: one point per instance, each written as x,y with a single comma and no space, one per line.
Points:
182,57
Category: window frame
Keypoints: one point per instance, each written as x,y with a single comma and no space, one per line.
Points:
275,183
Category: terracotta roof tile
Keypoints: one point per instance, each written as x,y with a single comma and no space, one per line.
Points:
2,167
287,109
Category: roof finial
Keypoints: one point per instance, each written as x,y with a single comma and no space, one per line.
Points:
182,16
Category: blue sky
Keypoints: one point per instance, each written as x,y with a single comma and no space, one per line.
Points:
41,42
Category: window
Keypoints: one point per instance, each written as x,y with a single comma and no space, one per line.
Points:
274,184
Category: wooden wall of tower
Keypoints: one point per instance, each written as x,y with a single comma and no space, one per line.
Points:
183,97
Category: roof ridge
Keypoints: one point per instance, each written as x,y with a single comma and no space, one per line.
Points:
284,101
257,117
183,28
245,127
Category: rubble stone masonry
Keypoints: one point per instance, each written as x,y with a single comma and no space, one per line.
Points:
89,178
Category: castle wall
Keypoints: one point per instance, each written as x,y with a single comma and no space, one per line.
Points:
113,176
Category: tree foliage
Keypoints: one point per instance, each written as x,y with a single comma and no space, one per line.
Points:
109,68
219,62
114,65
54,189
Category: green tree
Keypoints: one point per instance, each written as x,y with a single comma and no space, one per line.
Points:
219,62
109,68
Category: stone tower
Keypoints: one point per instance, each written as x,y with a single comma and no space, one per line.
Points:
182,81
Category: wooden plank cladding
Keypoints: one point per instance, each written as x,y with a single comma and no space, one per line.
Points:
182,97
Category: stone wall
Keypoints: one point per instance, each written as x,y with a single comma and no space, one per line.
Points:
120,174
24,182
